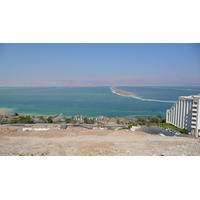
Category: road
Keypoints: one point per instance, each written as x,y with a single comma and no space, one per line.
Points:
95,126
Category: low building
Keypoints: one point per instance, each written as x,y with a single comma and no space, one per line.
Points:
185,114
134,128
78,118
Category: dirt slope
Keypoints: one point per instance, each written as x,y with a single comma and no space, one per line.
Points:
83,142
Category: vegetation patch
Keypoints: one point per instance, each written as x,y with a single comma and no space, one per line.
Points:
22,120
151,120
171,126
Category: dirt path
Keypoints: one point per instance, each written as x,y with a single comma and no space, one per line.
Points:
83,142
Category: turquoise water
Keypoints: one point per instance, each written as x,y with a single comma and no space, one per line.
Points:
7,89
92,101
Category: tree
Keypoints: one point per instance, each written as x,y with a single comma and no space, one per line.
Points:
150,119
42,118
22,120
118,122
142,120
163,120
131,124
156,119
159,116
14,121
88,121
85,120
49,120
67,120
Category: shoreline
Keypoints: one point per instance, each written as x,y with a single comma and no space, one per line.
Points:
11,116
3,111
10,112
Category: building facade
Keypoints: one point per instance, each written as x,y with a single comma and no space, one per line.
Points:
185,113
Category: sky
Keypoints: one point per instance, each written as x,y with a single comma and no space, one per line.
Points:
99,64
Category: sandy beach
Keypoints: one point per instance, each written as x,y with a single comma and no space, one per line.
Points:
2,111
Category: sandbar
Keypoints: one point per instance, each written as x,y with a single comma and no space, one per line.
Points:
116,91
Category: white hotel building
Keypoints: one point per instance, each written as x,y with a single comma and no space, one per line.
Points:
185,113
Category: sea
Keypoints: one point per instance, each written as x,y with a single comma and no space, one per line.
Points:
93,101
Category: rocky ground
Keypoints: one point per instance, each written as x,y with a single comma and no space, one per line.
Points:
76,141
179,150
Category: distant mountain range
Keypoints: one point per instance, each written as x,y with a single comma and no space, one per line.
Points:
189,80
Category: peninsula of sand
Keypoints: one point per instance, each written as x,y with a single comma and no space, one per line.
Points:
116,91
127,94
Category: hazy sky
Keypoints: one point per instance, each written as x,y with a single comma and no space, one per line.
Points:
100,64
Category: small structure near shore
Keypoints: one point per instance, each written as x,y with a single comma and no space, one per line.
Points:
134,128
35,129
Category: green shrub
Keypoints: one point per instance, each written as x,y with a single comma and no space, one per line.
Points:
22,120
42,118
184,131
68,120
88,121
131,124
49,119
124,128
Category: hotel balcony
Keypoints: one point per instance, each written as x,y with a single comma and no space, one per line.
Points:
194,118
193,122
194,114
194,106
193,126
194,110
